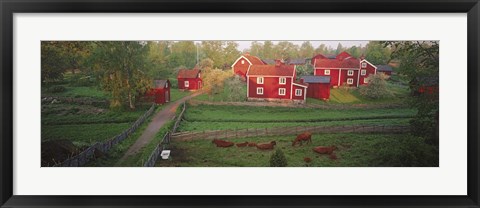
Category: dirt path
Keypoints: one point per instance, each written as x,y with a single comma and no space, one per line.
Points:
154,126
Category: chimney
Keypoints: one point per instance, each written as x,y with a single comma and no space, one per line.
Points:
362,56
247,53
279,62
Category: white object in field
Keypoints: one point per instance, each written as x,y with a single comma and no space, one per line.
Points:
165,154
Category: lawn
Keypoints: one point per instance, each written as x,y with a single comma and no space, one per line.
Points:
176,94
354,150
223,96
83,134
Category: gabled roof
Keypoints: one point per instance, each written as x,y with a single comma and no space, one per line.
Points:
269,61
271,70
316,79
298,61
338,63
159,84
384,68
253,59
188,73
301,84
343,55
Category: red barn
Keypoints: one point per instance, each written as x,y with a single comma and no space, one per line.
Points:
189,79
160,93
343,69
274,83
243,63
318,86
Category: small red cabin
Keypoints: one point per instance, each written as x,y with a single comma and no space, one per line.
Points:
189,79
160,93
318,86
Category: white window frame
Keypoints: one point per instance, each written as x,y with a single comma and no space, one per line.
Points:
350,72
243,62
298,92
186,83
284,80
284,91
259,80
166,84
364,65
363,72
326,72
259,90
366,79
350,81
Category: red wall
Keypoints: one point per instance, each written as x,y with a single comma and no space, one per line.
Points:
333,75
241,69
295,87
193,84
370,70
344,76
318,90
158,95
270,87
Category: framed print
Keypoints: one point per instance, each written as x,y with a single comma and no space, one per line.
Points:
246,104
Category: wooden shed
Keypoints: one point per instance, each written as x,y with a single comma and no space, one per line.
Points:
160,92
189,79
318,86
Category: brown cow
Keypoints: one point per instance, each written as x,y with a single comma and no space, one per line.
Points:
222,143
324,149
252,144
307,137
244,144
266,146
307,159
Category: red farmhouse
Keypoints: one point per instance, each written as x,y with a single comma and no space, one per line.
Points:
318,86
160,93
274,83
243,63
189,79
343,69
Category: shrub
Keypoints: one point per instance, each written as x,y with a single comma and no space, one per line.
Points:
79,80
408,152
57,89
376,87
235,89
278,159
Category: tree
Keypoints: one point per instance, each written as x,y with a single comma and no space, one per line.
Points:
377,53
53,61
183,53
231,53
268,50
256,49
278,159
306,50
286,49
213,80
121,68
376,88
235,89
158,52
214,51
339,49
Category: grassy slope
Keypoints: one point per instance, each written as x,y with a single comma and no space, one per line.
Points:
357,150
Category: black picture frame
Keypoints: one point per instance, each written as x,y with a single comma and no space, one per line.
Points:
9,7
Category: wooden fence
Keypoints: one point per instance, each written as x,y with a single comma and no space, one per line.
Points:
89,153
291,130
165,141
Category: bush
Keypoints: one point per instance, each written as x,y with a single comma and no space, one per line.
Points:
57,89
408,152
376,87
79,80
235,89
278,159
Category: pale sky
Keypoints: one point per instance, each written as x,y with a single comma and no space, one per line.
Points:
333,44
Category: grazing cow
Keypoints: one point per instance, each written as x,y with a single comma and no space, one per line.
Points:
244,144
307,137
222,143
266,146
307,159
324,149
252,144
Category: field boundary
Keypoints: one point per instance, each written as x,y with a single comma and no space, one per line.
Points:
292,130
165,141
89,153
304,120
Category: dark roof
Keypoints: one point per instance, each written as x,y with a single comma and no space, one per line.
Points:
159,84
271,70
384,68
188,73
316,79
269,61
298,61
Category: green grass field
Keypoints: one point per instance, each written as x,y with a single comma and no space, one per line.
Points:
354,150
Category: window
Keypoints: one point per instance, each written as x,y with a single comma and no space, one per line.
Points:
259,80
166,84
326,72
186,83
259,90
349,81
298,92
281,91
282,80
243,61
363,72
365,80
350,73
364,65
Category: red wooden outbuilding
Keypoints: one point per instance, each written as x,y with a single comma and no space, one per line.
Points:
318,86
243,63
189,79
160,92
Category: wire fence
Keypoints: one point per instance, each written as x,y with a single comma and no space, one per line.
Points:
291,130
165,141
101,147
